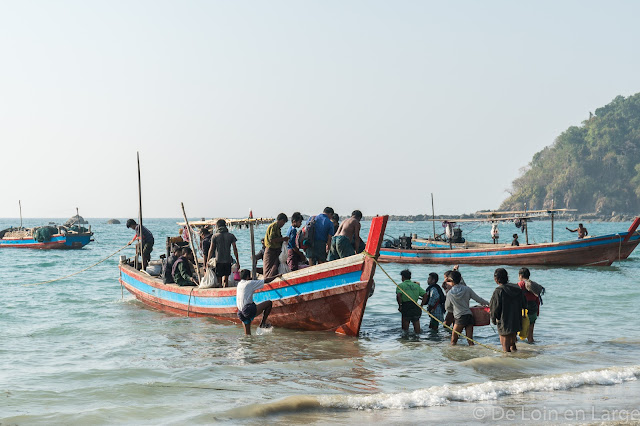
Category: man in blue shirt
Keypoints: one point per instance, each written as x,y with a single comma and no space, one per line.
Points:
323,232
294,255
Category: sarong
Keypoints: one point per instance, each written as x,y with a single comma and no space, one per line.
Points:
270,262
340,247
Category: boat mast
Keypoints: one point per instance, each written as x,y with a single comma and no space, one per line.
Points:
139,245
20,205
552,213
433,216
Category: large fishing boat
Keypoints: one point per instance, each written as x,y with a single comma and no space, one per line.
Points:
331,296
46,237
590,251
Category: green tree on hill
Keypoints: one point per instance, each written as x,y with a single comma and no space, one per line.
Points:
592,168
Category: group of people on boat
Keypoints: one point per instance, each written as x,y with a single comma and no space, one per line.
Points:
449,305
322,239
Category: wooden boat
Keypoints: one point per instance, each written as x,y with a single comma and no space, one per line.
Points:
590,251
328,297
46,237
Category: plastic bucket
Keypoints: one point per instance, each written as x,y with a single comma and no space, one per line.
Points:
481,315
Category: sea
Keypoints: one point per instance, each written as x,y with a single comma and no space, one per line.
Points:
83,351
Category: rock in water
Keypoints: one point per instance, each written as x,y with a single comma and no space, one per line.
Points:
113,222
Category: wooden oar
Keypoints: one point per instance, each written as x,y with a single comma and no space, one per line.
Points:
193,247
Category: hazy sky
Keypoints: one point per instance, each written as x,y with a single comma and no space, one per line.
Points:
294,105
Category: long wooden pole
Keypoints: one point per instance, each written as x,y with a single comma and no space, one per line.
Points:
193,247
552,214
20,205
526,225
139,244
433,216
253,248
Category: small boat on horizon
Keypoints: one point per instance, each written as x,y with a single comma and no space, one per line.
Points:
331,296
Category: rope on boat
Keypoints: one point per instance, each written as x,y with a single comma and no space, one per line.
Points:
82,270
427,312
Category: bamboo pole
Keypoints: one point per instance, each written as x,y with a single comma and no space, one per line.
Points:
433,216
552,214
526,225
139,244
193,247
253,248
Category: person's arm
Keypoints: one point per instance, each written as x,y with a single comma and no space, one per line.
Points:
235,251
212,250
268,280
495,308
356,237
399,300
478,299
571,230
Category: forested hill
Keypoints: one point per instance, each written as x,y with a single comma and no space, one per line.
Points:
592,168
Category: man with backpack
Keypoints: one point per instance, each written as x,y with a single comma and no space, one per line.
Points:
434,298
319,230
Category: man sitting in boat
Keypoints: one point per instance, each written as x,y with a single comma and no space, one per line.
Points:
347,239
182,270
515,241
247,309
146,240
582,231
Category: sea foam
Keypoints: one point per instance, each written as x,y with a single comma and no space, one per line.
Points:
491,390
442,395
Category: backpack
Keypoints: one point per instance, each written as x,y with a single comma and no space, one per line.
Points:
305,237
441,297
167,266
535,288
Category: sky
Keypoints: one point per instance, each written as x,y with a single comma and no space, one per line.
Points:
283,106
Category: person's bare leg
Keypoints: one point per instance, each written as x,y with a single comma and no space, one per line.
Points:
247,329
504,341
266,308
512,343
416,326
405,324
225,281
469,332
530,334
456,330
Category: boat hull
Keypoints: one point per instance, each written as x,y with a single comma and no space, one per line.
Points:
327,297
58,242
595,251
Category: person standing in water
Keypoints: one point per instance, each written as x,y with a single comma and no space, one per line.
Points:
506,305
408,303
457,301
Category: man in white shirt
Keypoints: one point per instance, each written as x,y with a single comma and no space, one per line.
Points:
247,309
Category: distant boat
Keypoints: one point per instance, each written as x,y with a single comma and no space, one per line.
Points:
46,237
591,251
331,296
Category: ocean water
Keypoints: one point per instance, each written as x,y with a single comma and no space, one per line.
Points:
83,351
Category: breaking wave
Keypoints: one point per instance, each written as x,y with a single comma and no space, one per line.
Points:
443,395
